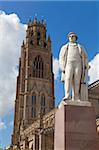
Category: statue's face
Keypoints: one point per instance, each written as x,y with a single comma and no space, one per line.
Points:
72,38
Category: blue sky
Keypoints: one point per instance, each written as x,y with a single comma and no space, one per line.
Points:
61,18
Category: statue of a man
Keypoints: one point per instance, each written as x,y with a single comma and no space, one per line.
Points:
74,65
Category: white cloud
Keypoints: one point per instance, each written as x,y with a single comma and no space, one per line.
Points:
94,70
12,32
2,125
56,68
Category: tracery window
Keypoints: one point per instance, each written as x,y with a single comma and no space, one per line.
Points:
43,104
33,103
38,67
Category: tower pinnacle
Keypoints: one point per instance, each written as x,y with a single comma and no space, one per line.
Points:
35,20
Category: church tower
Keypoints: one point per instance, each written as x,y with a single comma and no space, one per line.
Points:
35,82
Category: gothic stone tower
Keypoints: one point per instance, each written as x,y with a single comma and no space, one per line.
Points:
35,82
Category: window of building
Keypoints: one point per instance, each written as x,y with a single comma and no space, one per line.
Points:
43,104
33,103
38,67
38,38
34,99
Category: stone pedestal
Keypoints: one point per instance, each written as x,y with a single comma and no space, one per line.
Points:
75,127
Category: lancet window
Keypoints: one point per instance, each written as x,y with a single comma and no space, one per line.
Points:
43,106
38,38
38,67
33,103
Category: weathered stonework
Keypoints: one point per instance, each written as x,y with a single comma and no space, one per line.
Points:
93,93
43,129
35,90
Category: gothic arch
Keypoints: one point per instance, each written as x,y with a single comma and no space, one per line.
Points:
44,89
38,67
34,88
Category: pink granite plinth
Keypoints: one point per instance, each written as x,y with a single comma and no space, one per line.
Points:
75,128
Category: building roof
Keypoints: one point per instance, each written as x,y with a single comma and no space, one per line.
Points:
94,85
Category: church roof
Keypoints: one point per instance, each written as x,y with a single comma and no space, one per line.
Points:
94,85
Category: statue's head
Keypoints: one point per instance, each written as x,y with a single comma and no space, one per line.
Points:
72,37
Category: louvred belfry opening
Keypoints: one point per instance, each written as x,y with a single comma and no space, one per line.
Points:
38,67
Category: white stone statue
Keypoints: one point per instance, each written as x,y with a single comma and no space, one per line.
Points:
74,67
